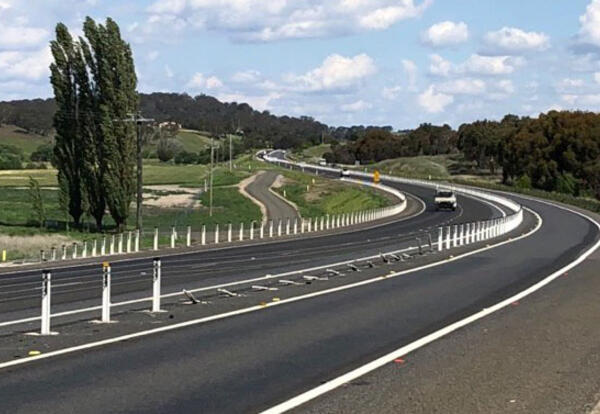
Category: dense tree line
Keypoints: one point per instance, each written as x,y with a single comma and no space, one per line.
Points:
94,85
34,116
558,151
378,144
202,112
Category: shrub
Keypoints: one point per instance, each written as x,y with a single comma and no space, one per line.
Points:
184,157
167,149
11,157
42,153
523,182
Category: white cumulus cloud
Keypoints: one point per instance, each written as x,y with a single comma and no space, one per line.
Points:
433,101
19,37
440,66
589,32
490,65
569,85
266,21
464,86
25,65
246,76
336,73
511,40
446,34
200,82
384,17
391,92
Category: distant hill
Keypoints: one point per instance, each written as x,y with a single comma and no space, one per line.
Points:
26,141
202,113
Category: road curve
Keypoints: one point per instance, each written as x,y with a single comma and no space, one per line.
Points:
276,207
250,362
19,296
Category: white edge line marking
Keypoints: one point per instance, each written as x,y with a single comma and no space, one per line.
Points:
199,321
222,285
385,359
206,288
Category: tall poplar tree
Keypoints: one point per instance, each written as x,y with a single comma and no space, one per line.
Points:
111,64
68,147
92,166
94,84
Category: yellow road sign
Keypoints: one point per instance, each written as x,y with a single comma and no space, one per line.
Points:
376,177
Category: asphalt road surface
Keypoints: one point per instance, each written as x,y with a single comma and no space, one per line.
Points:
540,355
277,209
74,287
250,362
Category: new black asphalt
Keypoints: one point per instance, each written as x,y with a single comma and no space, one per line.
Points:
277,209
250,362
20,295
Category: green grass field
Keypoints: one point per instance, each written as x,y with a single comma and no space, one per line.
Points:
22,238
191,141
423,166
12,135
315,152
155,173
329,196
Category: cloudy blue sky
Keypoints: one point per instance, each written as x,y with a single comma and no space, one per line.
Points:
387,62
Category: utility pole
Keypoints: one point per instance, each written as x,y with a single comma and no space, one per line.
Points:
139,121
210,194
230,154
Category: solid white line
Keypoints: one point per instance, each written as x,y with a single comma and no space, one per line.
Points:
206,288
379,362
51,354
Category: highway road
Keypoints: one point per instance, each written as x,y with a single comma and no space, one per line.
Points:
79,285
250,362
277,209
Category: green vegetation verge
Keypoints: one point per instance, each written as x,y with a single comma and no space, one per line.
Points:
325,196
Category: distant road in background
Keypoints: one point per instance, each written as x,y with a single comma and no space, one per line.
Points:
276,207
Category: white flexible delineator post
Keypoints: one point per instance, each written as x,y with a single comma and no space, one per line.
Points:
156,276
46,297
106,281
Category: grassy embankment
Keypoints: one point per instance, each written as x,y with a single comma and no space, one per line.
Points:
451,169
12,135
326,196
312,154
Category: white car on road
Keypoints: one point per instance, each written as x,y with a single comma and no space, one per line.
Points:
445,200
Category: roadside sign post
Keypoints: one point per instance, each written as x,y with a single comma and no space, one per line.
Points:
376,177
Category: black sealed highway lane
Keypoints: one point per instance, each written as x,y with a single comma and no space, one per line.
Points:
250,362
19,292
277,209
